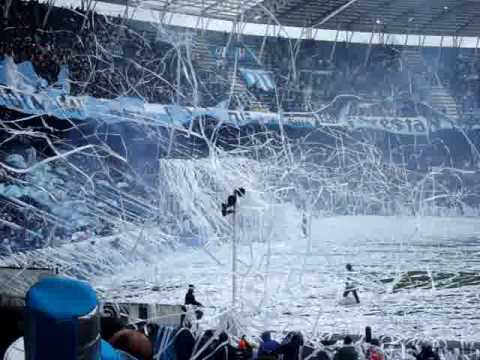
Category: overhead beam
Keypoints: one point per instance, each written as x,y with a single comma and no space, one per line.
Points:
291,32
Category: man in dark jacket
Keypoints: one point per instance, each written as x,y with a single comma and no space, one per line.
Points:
190,300
224,351
190,297
290,347
184,343
427,353
347,352
205,346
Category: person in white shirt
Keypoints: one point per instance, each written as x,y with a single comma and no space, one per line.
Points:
350,286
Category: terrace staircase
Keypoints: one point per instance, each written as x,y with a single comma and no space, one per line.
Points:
244,97
436,93
203,58
413,59
443,101
206,64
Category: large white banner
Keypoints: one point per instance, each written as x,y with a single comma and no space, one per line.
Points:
54,103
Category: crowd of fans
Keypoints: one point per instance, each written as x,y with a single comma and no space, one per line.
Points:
146,340
35,205
106,59
183,338
25,228
35,208
311,74
110,57
16,223
182,343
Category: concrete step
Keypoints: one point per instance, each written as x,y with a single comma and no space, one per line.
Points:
206,63
414,60
203,57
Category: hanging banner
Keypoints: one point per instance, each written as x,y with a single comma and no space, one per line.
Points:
49,102
26,92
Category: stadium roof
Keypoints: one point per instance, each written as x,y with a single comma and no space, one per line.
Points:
432,17
218,9
426,23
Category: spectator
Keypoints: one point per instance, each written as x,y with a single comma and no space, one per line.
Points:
133,343
224,351
347,352
184,343
291,346
427,353
245,350
374,351
205,347
268,347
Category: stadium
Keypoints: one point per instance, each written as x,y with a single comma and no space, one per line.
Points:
310,167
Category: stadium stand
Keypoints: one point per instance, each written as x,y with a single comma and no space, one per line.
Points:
111,57
108,59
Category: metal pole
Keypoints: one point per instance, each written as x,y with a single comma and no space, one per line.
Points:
334,46
369,49
234,258
433,195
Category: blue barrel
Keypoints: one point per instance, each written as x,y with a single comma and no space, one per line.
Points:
62,322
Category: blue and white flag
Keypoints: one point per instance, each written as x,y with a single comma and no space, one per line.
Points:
261,79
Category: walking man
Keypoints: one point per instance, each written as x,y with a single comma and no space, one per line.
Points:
350,286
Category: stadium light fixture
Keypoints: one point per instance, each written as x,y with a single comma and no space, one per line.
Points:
230,207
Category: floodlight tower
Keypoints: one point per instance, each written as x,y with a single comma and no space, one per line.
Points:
230,208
